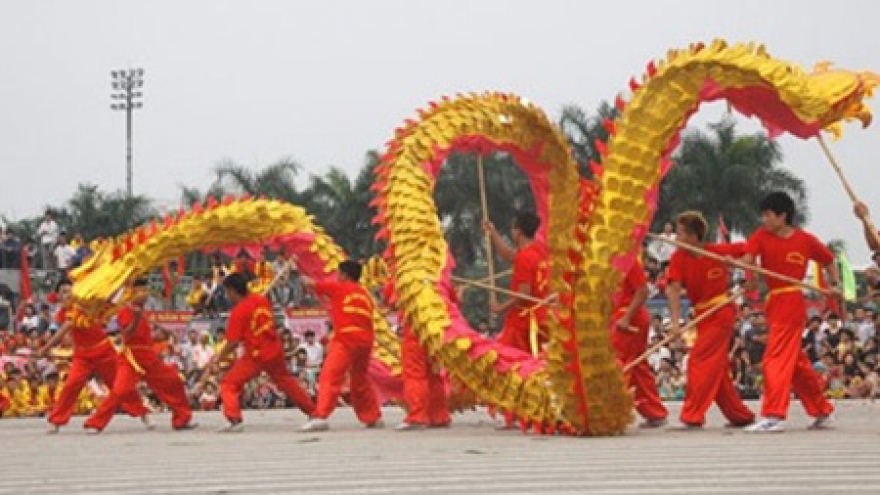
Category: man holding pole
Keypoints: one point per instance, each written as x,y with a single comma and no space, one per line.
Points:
706,282
524,322
351,314
140,361
786,250
629,337
872,237
252,324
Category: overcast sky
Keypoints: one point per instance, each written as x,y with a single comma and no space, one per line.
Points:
324,81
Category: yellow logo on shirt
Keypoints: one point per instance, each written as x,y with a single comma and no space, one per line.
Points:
262,321
796,258
715,273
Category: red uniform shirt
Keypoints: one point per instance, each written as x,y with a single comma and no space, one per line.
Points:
142,336
787,256
351,311
635,279
84,338
704,278
252,323
530,267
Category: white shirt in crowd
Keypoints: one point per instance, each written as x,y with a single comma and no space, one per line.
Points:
201,355
314,353
865,331
48,231
662,251
64,255
657,357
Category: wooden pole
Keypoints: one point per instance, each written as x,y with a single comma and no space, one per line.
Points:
674,335
484,204
500,290
740,264
868,223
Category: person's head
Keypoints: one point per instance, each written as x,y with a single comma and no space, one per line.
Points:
192,335
777,211
859,314
45,309
691,227
849,359
668,228
236,287
301,357
286,336
140,291
49,215
29,310
349,271
63,289
310,337
834,321
525,226
204,339
814,323
483,326
221,333
846,336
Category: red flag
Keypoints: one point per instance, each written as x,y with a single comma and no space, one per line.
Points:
25,290
723,232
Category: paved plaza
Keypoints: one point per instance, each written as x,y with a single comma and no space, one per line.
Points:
469,458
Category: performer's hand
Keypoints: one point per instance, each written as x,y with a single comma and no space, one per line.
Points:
623,325
489,228
861,210
674,327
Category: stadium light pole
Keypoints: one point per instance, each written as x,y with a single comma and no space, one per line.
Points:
127,86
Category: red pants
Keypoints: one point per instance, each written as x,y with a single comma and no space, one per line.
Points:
245,369
343,357
82,369
708,373
629,346
423,389
786,366
160,377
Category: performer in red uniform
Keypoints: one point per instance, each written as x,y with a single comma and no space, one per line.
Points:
93,355
524,322
351,315
629,337
423,388
252,324
706,282
785,249
140,361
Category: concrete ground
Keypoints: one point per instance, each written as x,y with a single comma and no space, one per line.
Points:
470,457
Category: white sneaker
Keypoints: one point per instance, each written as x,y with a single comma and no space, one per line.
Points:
409,427
315,424
378,424
52,429
91,430
232,427
147,420
823,423
766,425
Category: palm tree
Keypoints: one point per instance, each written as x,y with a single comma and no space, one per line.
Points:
583,130
342,207
725,175
275,181
94,213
